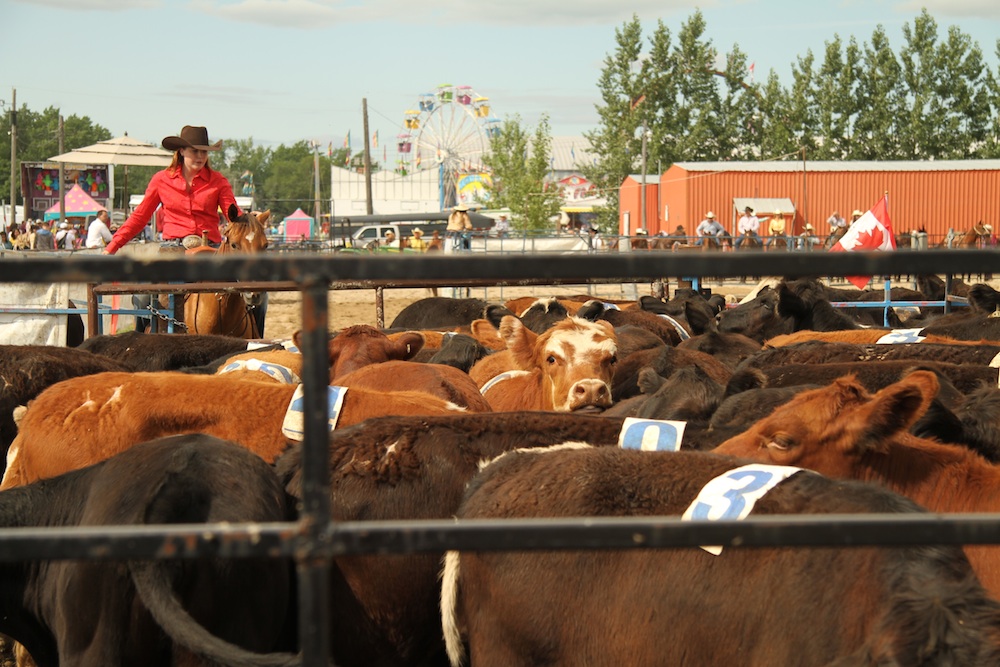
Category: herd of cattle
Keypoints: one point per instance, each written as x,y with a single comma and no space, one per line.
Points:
463,408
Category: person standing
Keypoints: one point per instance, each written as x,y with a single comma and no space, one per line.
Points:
99,231
44,239
502,227
709,226
191,194
459,228
747,225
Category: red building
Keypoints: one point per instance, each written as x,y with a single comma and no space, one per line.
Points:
932,195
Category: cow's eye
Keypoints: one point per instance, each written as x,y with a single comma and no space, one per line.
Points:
550,360
613,360
780,442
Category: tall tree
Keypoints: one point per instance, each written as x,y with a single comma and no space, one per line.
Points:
520,164
876,130
699,126
836,99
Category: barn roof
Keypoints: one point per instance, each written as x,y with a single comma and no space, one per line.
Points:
856,165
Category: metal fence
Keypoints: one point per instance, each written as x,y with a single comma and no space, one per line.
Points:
314,540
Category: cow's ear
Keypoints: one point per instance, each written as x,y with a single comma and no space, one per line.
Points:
699,315
520,341
486,334
649,380
406,345
894,410
494,313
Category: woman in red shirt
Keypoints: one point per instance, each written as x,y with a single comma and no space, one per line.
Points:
191,193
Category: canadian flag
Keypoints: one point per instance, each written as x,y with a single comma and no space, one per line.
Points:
870,232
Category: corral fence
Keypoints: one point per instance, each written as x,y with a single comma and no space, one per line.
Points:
314,540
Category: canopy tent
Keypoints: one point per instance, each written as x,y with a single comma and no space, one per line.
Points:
122,150
78,205
763,205
299,225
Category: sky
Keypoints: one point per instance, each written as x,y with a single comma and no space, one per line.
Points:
282,71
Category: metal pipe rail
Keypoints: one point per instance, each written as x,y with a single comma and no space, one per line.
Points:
314,540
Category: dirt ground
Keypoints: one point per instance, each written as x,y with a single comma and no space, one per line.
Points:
348,307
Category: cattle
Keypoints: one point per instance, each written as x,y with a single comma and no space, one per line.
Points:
843,430
542,314
664,360
809,606
598,310
447,383
688,394
81,421
861,337
163,352
384,607
460,351
820,352
875,375
979,416
360,345
571,303
568,368
145,613
26,370
438,312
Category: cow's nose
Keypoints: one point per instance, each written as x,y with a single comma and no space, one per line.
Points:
590,392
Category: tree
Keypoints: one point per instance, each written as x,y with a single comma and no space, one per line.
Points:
289,182
520,174
876,130
836,96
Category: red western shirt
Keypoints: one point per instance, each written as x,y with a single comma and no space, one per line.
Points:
185,212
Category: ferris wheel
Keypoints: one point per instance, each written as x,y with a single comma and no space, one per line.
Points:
448,129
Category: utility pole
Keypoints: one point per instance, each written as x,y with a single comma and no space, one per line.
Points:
368,159
642,193
13,156
316,208
62,175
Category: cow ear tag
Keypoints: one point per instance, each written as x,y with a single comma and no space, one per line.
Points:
651,435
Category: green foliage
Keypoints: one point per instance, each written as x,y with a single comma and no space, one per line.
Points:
520,166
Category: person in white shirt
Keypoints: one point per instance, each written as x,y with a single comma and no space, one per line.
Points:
747,225
708,227
390,241
99,231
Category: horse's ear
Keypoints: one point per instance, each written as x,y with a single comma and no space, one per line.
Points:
262,218
234,214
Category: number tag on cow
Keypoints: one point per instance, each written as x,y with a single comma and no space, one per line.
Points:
294,425
732,495
651,435
280,373
901,336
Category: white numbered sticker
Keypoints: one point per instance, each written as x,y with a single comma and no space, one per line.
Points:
732,495
651,435
293,426
900,336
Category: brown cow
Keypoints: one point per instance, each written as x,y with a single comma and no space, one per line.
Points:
81,421
445,382
570,367
361,345
745,607
844,431
384,607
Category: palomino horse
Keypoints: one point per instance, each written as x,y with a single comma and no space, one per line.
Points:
229,313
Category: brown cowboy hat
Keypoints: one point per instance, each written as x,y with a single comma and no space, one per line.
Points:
191,137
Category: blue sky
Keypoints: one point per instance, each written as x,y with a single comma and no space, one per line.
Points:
287,70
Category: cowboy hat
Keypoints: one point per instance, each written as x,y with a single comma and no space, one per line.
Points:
809,225
461,207
857,213
417,231
709,215
191,137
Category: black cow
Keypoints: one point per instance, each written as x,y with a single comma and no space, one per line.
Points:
439,312
598,310
163,352
460,351
820,352
542,314
809,606
664,360
148,613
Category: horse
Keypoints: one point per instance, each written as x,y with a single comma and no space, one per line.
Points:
835,235
229,313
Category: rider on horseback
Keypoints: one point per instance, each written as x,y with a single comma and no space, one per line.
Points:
748,225
708,227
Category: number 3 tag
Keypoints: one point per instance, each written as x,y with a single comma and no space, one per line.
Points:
732,495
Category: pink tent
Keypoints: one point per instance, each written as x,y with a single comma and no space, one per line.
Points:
298,226
78,205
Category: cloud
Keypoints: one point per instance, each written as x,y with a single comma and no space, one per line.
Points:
982,9
313,14
94,5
